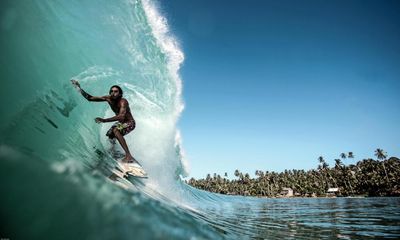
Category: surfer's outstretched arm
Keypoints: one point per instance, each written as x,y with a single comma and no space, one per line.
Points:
87,95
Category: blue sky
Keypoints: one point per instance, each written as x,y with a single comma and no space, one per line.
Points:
273,85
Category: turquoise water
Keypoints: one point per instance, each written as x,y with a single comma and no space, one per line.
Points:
55,162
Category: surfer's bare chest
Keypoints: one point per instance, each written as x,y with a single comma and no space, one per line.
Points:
115,106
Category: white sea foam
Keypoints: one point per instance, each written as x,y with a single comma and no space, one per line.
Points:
170,46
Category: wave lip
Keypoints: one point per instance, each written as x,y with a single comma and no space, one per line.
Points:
168,44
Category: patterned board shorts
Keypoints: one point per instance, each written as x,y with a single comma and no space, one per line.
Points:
123,128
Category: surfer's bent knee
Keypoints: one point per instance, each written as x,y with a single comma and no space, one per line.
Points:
110,133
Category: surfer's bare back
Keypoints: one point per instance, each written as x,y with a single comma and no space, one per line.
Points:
120,106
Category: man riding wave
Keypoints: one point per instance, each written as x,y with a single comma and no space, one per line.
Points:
125,121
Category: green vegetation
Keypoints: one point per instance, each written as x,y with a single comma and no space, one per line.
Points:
367,177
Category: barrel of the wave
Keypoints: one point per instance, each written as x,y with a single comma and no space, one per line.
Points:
51,152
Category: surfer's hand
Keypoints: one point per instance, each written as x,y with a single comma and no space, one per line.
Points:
99,120
75,82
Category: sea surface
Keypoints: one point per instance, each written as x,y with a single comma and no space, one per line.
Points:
56,166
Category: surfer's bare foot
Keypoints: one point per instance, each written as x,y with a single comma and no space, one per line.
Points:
129,159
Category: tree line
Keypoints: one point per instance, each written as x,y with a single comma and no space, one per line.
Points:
368,177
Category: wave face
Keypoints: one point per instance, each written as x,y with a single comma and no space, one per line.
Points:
55,160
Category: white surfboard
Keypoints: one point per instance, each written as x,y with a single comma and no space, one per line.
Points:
132,169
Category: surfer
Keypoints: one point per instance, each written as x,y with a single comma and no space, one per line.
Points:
120,106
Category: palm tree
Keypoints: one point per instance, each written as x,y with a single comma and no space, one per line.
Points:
338,163
382,155
351,155
342,176
246,177
237,173
322,169
323,165
343,156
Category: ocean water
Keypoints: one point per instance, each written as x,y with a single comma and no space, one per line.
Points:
55,161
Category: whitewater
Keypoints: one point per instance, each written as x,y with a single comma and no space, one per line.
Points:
55,161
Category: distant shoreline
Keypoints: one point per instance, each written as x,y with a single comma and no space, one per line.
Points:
366,178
